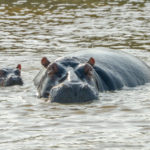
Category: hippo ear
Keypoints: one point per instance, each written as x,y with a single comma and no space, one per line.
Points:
91,61
19,66
45,62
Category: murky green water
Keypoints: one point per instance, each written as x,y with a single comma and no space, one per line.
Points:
30,29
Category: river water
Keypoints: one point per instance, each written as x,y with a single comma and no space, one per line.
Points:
30,29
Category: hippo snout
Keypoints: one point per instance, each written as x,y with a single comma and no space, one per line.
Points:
14,80
73,93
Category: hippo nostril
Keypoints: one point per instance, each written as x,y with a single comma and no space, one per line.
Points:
14,80
72,92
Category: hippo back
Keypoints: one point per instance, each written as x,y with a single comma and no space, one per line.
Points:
115,68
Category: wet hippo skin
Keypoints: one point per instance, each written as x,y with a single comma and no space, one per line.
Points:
81,76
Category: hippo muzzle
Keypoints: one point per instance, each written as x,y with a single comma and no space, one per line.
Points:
73,93
13,80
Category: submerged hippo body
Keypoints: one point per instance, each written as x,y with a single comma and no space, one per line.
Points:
81,76
10,76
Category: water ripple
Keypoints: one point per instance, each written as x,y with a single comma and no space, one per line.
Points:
31,29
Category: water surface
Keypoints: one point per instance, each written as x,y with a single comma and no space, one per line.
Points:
31,29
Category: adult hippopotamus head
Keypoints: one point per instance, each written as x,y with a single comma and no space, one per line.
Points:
10,76
67,81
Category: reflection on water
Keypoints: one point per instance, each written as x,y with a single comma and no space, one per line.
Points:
30,29
41,25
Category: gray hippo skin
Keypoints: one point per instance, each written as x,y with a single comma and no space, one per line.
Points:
10,76
81,76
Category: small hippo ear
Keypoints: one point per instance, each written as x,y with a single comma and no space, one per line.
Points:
91,61
45,62
19,66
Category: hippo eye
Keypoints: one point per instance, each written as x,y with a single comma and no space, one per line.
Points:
52,69
56,70
61,74
63,77
84,70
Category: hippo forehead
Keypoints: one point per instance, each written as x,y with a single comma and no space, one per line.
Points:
9,70
70,61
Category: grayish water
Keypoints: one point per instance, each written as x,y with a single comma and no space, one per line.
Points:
31,29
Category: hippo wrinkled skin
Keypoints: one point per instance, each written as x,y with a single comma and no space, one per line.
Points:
80,77
11,76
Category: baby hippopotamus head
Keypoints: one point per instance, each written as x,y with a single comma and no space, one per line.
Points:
67,82
11,76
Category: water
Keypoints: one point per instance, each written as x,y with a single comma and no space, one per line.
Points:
31,29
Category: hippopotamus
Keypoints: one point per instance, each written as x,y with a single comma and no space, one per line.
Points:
81,76
11,76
